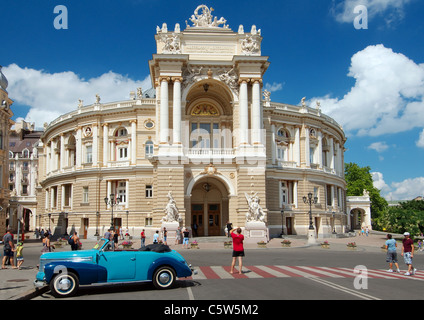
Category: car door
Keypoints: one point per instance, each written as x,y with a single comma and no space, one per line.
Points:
120,265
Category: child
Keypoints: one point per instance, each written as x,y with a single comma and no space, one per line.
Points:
19,254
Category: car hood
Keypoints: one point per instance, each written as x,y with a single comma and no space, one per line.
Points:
68,255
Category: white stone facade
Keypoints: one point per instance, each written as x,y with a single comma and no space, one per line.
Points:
210,135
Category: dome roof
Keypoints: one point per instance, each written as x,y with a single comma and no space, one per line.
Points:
3,81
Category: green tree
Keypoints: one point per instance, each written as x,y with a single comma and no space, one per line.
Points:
359,179
407,216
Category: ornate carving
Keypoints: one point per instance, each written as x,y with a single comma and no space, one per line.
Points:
251,45
172,43
255,212
230,78
171,210
205,110
205,19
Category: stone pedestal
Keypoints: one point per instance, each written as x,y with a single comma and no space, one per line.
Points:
172,228
311,237
256,231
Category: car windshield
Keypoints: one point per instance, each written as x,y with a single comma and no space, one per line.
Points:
99,244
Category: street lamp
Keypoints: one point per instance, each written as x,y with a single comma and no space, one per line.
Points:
310,200
97,223
334,222
112,201
50,215
282,220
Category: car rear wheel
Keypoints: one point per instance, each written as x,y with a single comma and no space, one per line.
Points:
64,284
164,278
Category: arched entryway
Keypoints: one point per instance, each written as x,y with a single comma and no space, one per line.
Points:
208,207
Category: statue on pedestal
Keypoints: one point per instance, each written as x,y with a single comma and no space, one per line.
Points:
255,212
171,210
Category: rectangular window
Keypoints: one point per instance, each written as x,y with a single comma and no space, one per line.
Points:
149,191
85,198
67,195
123,153
329,200
89,154
148,222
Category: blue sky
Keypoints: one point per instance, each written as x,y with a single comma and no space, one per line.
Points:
369,80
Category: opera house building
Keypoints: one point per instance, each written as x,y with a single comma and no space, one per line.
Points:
206,136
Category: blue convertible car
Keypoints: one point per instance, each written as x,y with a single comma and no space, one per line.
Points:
64,272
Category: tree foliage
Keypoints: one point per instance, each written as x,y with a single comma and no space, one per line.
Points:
408,216
359,179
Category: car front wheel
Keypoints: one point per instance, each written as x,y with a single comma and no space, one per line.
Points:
164,278
64,284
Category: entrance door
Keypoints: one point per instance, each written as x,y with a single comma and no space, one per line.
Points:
289,225
197,214
214,221
85,226
117,224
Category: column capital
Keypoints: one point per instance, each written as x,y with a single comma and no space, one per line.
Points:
163,78
177,79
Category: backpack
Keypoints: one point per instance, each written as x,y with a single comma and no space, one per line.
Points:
71,240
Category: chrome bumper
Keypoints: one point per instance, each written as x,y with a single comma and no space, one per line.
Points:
39,284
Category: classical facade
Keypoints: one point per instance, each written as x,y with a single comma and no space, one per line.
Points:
206,134
23,175
5,124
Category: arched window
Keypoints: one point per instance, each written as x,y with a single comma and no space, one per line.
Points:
121,132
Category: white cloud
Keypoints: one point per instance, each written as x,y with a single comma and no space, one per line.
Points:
274,87
420,142
391,10
50,95
378,146
387,96
404,190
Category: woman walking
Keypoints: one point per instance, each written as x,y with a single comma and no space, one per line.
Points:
238,249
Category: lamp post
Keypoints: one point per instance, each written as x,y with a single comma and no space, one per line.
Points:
311,232
334,222
97,223
282,220
50,215
112,201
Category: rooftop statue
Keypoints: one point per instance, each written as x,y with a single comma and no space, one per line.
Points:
205,19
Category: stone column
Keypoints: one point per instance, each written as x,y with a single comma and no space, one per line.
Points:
62,151
177,111
79,147
95,144
105,144
164,112
243,113
256,113
133,142
273,144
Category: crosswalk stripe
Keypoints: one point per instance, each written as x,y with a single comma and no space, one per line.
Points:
262,271
322,272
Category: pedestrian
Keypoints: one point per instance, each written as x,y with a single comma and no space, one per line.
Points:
75,242
238,249
8,249
115,239
108,236
156,237
367,231
420,245
127,233
143,238
195,229
19,254
121,233
165,236
178,236
408,253
47,247
229,228
186,235
391,253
